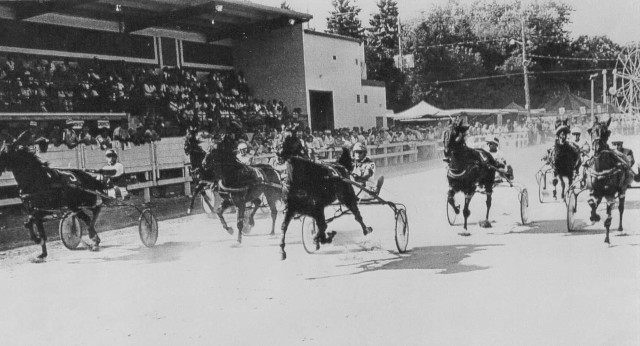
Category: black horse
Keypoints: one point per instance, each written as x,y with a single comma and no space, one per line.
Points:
312,187
468,169
608,175
242,183
203,178
564,158
45,191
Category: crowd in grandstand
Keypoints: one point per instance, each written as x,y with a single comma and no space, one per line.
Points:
166,102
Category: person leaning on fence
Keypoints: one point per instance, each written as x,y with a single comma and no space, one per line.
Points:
113,171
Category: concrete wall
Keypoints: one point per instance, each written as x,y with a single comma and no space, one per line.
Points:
334,63
273,65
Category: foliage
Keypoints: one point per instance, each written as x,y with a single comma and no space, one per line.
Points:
343,20
285,5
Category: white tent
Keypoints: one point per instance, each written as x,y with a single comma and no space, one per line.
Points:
418,111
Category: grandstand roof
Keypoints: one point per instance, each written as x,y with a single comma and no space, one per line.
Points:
231,18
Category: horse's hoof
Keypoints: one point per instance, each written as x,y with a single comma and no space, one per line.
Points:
594,218
229,230
606,240
485,224
464,234
283,256
366,231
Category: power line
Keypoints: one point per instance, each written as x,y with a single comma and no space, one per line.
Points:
596,59
511,75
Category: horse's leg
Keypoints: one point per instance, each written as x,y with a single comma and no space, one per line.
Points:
452,201
486,223
322,237
196,192
240,217
555,183
594,205
466,212
272,200
607,221
621,200
257,203
563,185
351,202
220,212
94,246
288,215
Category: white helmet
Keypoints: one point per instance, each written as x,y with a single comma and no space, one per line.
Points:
242,146
359,146
576,130
616,139
110,153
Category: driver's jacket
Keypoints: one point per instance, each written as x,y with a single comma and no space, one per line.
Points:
582,145
364,173
115,174
498,156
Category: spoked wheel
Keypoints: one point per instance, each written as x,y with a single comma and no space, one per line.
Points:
148,228
542,187
402,230
524,206
451,214
572,208
309,231
208,201
70,230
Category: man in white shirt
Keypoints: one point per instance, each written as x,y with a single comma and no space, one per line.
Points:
114,174
499,157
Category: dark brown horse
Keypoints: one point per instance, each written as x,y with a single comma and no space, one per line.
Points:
468,169
608,175
45,191
312,187
243,183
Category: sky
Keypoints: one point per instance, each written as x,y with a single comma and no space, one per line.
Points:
617,19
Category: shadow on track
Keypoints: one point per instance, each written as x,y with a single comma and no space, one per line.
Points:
445,259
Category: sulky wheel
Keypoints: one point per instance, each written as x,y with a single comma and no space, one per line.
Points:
572,208
148,228
309,231
402,230
70,229
542,186
451,214
524,206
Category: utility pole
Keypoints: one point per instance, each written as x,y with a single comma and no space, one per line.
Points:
592,78
605,102
400,46
525,69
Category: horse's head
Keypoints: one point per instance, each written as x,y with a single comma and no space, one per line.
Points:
600,133
562,130
291,147
457,135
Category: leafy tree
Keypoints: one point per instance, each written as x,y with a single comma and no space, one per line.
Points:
285,5
343,20
382,45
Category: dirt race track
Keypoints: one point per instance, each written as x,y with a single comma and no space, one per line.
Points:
507,285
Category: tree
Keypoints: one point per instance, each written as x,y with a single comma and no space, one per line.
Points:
285,5
343,20
382,45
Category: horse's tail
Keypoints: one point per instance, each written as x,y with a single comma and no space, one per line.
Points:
346,160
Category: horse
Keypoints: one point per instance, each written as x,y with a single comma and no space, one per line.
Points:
468,169
608,174
203,178
45,190
564,158
311,187
243,183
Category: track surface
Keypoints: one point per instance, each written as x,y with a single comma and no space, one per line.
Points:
507,285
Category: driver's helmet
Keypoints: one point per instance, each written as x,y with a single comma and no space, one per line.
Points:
616,139
576,131
242,146
360,147
111,153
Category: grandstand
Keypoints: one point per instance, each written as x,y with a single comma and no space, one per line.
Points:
237,60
